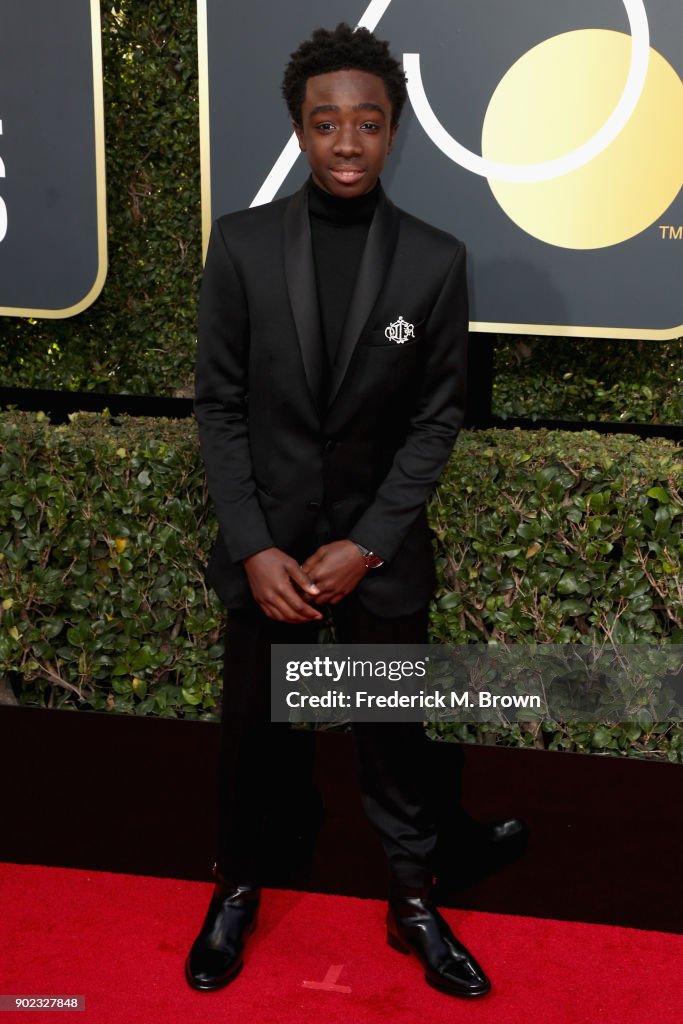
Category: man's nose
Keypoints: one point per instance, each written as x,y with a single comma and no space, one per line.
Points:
347,142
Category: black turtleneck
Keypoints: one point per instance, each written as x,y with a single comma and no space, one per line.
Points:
339,229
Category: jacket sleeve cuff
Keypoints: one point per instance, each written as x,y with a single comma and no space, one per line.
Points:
247,546
364,541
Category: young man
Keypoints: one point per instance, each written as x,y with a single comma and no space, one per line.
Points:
329,392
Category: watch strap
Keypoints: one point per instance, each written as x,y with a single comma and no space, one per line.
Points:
372,561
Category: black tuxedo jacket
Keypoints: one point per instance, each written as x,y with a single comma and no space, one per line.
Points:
294,459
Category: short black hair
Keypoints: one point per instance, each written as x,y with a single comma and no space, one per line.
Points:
343,49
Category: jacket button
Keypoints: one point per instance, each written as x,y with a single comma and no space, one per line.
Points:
329,446
313,506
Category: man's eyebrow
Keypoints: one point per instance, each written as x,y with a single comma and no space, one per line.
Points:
331,108
370,106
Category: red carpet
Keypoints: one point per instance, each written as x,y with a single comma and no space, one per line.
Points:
121,941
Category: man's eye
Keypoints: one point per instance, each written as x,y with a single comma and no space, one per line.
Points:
325,126
370,126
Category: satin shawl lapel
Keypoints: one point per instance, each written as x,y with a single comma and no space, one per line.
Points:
374,265
303,296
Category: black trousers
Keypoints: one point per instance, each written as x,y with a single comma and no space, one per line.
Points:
392,757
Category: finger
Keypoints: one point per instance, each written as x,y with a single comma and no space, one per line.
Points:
270,610
301,577
289,602
277,609
286,614
315,558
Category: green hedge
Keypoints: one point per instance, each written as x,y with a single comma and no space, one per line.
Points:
139,336
541,536
103,530
560,538
589,379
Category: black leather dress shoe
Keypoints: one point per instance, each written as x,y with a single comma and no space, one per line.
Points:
415,925
216,956
496,833
469,850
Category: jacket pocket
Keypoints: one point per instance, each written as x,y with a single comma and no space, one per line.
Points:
377,338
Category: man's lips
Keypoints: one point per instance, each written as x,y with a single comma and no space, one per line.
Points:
347,175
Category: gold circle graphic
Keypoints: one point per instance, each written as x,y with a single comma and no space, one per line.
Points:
554,98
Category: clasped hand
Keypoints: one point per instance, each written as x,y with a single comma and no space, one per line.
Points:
288,592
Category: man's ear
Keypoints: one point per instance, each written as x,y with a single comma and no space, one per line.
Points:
299,132
392,136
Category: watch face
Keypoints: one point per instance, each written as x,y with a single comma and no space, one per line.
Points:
373,561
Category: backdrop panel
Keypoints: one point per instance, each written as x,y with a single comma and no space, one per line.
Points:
574,216
53,257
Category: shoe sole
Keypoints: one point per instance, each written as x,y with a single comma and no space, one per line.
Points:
401,947
456,992
198,987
